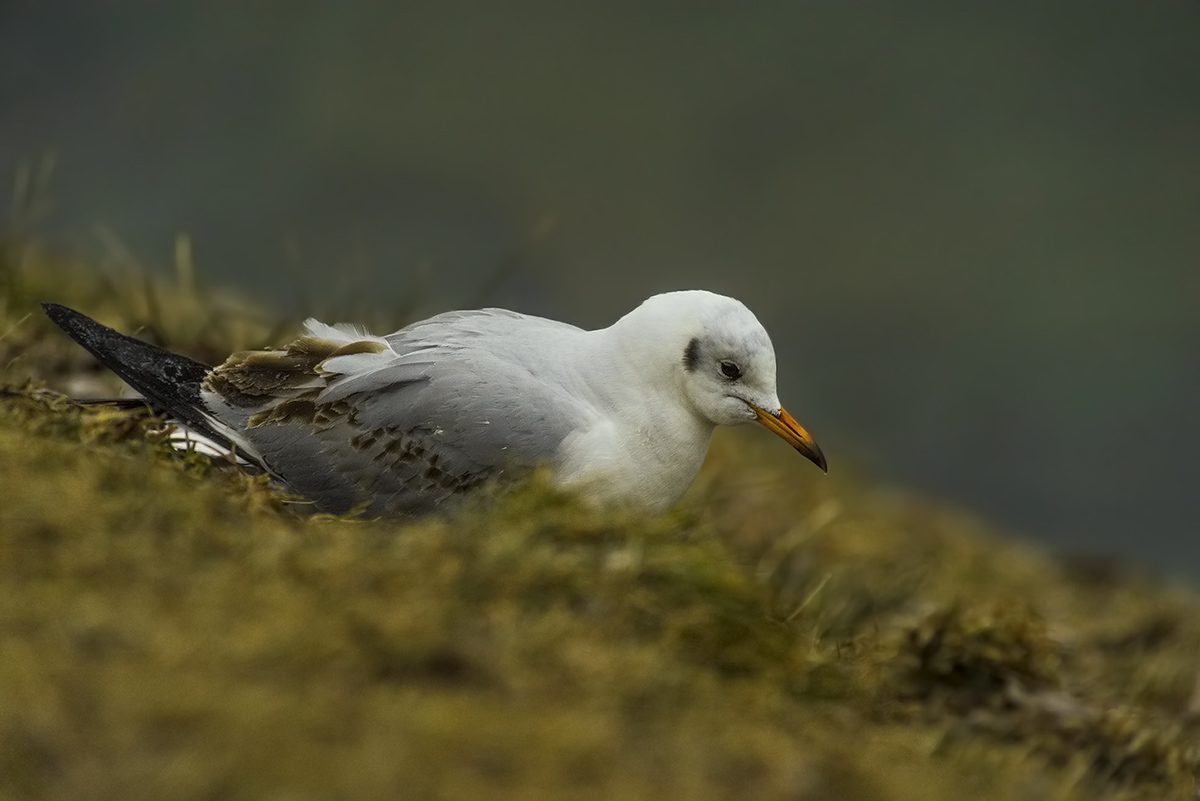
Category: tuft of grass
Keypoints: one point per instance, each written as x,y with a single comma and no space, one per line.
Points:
173,628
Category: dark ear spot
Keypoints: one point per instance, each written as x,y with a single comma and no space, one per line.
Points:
691,355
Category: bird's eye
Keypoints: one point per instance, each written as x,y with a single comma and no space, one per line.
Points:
731,371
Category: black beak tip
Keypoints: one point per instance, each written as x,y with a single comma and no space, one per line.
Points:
815,456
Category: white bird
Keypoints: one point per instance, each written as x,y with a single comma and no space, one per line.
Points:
401,424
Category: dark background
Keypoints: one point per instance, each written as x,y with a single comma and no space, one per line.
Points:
972,229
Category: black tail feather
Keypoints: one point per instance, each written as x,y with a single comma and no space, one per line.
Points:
168,381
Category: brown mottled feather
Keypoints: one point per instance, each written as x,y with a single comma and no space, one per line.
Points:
396,425
281,389
302,410
250,378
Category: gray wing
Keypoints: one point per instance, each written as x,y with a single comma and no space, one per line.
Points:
399,425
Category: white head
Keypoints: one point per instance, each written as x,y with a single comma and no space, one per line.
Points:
723,359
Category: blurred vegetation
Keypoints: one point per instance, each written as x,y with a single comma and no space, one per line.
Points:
173,628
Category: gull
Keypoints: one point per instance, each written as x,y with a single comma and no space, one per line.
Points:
400,425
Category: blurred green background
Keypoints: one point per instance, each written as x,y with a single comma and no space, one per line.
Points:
972,229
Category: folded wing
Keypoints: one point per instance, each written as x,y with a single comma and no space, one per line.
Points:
401,424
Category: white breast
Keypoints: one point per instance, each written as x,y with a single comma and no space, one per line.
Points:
643,462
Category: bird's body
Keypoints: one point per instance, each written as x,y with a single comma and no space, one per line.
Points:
402,424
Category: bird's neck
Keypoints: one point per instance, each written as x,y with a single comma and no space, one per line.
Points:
663,440
637,363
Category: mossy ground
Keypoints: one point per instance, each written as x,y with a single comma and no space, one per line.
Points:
172,628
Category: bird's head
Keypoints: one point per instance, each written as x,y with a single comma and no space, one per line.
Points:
726,364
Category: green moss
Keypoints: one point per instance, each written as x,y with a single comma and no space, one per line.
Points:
172,628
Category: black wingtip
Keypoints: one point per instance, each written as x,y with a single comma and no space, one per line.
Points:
57,312
72,323
169,382
76,325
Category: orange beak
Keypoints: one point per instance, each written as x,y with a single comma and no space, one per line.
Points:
793,433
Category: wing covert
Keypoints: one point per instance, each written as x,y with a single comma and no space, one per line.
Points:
396,425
